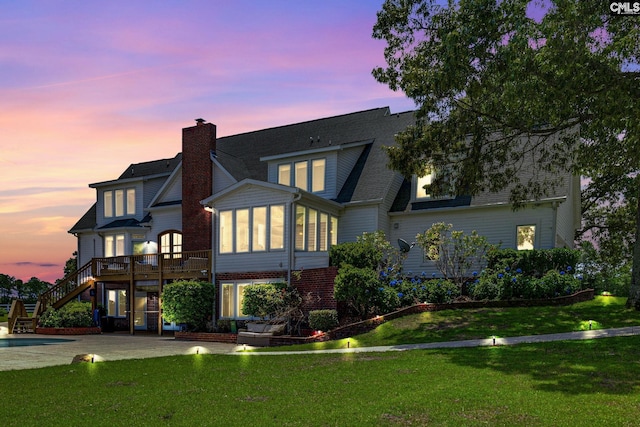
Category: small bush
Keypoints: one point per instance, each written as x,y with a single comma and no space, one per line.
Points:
323,320
263,300
73,315
3,312
189,302
508,284
535,262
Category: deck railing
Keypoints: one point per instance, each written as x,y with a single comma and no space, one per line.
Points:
191,264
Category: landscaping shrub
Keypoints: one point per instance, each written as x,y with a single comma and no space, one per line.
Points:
509,284
75,314
362,292
323,320
3,312
189,302
263,300
536,262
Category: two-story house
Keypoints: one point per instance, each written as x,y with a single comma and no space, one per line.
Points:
267,206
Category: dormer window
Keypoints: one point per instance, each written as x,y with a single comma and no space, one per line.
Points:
422,190
119,202
308,175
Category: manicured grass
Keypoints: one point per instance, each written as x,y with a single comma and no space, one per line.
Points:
455,325
578,383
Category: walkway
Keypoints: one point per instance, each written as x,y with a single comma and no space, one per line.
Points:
115,346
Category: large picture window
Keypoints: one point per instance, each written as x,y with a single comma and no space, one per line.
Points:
256,229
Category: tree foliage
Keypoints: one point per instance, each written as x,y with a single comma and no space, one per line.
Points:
499,88
455,253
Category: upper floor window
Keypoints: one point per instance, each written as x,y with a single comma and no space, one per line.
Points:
315,230
423,183
170,243
254,229
114,245
308,175
119,202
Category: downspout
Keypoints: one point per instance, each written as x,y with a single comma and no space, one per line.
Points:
292,235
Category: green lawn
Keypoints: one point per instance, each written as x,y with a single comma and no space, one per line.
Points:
579,383
573,383
454,325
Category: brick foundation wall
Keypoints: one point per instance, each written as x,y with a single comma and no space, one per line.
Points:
315,285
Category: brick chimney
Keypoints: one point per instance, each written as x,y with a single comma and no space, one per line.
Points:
197,183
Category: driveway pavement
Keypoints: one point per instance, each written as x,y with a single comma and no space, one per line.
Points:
115,346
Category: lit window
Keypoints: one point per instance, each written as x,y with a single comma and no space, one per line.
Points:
301,175
119,199
526,237
114,245
232,296
323,232
171,244
226,232
334,230
300,227
117,303
277,227
421,182
259,237
284,174
108,204
317,177
312,230
252,229
242,230
131,201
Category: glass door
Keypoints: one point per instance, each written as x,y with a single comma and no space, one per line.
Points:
140,318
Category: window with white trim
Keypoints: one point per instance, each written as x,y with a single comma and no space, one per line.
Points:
119,202
117,303
308,175
526,237
232,296
256,229
422,190
315,230
114,245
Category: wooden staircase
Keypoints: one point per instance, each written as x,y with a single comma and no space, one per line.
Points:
56,296
68,288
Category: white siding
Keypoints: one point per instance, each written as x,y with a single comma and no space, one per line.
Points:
355,221
498,224
169,218
221,180
173,191
89,246
252,196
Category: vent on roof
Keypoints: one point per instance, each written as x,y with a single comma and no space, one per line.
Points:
200,122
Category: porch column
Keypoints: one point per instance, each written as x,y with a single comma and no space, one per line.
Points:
132,298
160,282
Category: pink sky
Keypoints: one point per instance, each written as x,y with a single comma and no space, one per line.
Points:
86,88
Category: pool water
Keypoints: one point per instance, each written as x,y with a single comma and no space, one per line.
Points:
25,342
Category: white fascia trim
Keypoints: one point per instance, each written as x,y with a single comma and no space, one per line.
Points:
166,184
315,151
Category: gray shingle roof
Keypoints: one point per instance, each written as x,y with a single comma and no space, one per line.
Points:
240,154
154,167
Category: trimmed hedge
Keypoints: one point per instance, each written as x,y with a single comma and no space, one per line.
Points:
323,320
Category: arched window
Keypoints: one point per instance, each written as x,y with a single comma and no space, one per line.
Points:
170,243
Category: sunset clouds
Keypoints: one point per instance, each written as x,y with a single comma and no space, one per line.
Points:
86,88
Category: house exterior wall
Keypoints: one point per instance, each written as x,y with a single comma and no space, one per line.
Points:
346,161
355,220
498,224
248,197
